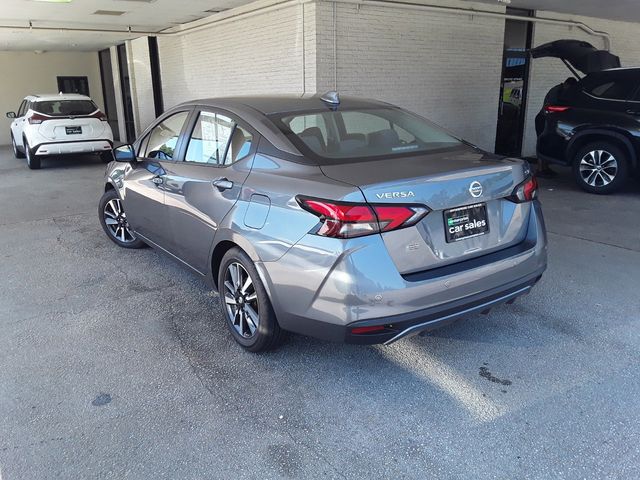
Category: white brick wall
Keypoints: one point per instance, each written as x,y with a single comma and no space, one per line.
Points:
263,53
444,66
547,72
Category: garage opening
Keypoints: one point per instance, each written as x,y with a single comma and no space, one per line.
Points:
514,83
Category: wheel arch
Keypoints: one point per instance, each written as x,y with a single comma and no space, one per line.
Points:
592,135
225,240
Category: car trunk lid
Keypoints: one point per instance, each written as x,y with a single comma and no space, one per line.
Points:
461,187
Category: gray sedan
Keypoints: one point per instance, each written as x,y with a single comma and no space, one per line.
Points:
345,219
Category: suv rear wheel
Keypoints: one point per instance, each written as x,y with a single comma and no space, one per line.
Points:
601,167
16,152
33,162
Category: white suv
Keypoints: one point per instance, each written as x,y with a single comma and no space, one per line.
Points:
59,125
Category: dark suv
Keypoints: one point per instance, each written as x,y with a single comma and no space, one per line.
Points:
594,127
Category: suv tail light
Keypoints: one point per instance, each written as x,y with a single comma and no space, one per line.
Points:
37,119
555,109
525,192
100,116
349,220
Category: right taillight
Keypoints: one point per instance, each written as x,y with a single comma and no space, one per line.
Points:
555,108
349,220
525,192
100,116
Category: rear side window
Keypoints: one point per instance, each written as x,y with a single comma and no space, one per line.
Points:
163,139
614,89
65,108
217,140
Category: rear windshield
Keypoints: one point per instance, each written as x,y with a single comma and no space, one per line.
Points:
65,108
355,134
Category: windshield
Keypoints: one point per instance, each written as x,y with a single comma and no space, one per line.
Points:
65,108
354,134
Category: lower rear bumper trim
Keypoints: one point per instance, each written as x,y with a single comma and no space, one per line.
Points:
415,329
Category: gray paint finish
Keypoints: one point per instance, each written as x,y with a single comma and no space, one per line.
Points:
345,280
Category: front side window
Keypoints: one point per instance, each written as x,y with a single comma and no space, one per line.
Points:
65,108
354,134
217,140
163,139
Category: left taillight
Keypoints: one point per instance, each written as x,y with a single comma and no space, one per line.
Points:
349,220
525,191
37,119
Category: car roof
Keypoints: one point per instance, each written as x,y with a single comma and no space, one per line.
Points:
49,97
254,109
271,104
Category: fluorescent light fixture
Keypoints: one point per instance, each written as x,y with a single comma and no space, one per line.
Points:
54,1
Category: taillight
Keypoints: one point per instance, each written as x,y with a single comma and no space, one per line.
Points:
37,119
525,192
349,220
100,116
555,109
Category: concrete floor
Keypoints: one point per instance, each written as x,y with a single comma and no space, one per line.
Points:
116,364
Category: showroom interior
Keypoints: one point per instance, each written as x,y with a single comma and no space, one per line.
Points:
117,363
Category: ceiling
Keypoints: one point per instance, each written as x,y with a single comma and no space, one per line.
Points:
140,15
156,15
628,10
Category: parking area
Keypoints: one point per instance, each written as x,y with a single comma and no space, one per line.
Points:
117,364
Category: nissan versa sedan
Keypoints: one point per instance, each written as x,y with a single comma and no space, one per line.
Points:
344,219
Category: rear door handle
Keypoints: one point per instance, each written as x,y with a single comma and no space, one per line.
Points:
633,112
157,180
223,184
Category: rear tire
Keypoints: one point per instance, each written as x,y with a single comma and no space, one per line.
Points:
33,161
16,152
245,304
601,167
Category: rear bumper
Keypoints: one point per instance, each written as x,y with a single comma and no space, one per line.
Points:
408,325
361,287
65,148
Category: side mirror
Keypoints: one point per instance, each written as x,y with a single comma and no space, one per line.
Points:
124,153
11,114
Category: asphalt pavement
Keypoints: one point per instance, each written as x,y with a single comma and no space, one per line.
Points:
116,363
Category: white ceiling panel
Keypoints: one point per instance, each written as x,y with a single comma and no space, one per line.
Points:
140,15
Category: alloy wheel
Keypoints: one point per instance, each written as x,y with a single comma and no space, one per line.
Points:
116,220
598,168
241,300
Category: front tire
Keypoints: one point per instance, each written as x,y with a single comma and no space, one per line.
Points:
601,167
246,305
33,161
16,151
113,220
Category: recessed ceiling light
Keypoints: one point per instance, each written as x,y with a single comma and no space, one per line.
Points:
113,13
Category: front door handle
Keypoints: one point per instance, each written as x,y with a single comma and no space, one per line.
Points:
633,112
157,180
223,184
